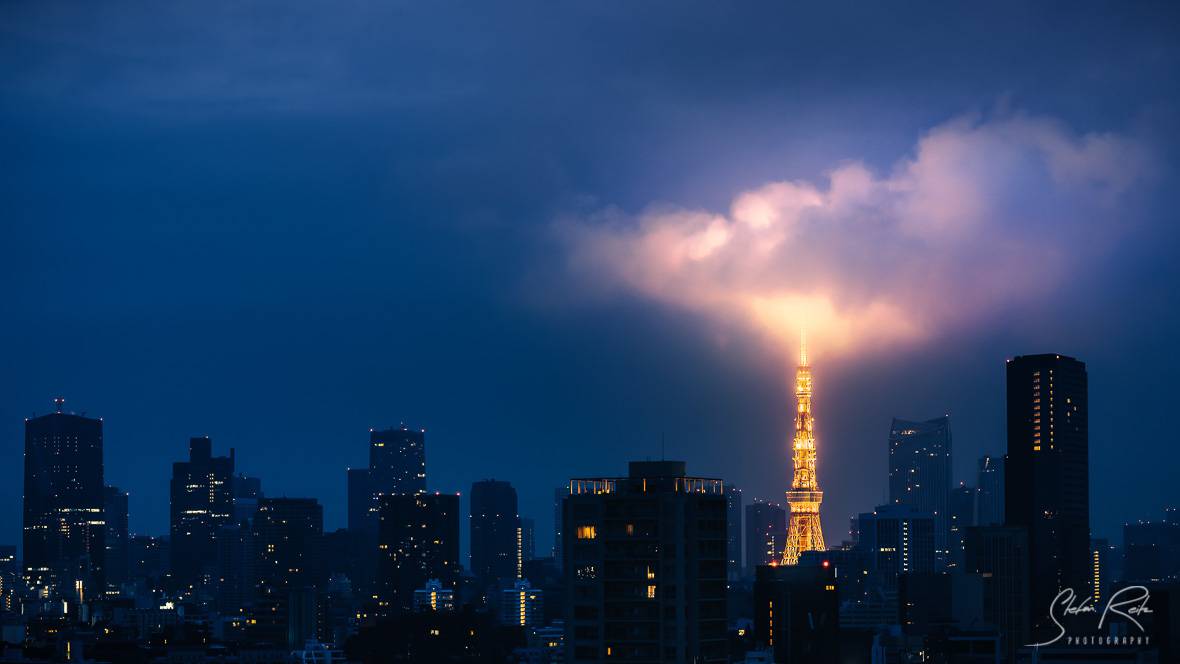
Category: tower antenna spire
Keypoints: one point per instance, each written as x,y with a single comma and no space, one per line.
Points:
803,347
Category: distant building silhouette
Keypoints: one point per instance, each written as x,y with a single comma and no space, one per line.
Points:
645,559
961,509
559,495
899,540
115,515
920,473
202,503
434,597
397,460
288,567
766,533
1047,488
361,516
418,540
528,539
522,605
733,536
1152,549
64,529
796,611
1001,556
495,543
990,510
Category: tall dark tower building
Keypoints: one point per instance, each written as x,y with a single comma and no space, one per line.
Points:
202,502
360,501
418,540
118,559
920,473
397,461
64,528
495,555
559,495
733,536
645,559
1046,487
766,532
990,510
288,564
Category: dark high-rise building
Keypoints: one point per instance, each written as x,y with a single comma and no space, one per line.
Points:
1152,550
288,564
962,508
645,559
920,472
528,540
118,558
899,540
1046,488
202,502
64,529
9,575
559,495
1001,556
247,491
990,510
418,540
766,533
796,611
360,501
149,562
397,461
495,554
733,536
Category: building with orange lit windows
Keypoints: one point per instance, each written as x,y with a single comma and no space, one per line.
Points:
645,567
1047,477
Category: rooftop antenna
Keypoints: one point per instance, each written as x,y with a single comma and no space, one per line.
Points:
59,402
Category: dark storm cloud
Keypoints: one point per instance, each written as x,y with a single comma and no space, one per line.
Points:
281,224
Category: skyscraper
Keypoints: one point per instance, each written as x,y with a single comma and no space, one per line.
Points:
990,510
920,472
766,533
528,539
804,531
397,460
115,515
645,567
1046,487
202,502
733,524
559,495
288,567
899,540
64,529
494,525
360,501
962,508
418,540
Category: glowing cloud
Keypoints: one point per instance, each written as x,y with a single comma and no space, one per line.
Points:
981,215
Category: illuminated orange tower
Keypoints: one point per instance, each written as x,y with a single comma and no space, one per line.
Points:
805,532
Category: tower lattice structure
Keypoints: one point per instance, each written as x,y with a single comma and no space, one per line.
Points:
805,532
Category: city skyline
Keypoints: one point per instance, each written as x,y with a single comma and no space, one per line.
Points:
668,331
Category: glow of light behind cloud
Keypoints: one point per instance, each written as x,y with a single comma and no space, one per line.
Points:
981,215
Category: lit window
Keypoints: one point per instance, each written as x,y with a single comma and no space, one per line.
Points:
587,532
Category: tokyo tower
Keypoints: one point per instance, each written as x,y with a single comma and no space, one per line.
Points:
804,533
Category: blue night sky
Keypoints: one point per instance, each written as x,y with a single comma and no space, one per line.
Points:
555,234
